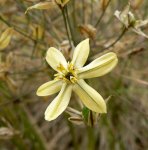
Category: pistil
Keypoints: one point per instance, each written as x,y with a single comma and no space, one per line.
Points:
68,75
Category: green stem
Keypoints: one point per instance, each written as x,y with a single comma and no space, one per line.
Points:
119,37
74,13
91,138
66,26
15,28
69,25
112,44
34,49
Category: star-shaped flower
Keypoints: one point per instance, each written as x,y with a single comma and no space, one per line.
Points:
70,77
128,19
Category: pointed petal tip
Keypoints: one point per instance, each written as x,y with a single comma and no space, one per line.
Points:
50,49
86,40
114,56
79,59
99,67
59,104
49,88
112,53
38,93
47,118
104,110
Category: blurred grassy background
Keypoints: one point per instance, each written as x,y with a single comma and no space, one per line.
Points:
23,69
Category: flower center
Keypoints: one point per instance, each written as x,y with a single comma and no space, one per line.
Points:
67,74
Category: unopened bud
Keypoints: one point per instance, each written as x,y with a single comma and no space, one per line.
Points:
5,38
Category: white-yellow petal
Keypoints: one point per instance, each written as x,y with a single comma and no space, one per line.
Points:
140,32
55,58
125,16
49,88
99,66
59,104
90,97
81,53
140,23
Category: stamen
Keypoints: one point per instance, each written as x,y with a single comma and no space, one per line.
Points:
61,68
68,75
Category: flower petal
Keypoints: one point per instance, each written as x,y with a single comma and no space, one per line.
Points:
125,16
139,31
49,88
99,66
59,104
55,58
81,53
90,97
140,23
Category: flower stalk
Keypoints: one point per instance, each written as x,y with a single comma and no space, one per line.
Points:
66,26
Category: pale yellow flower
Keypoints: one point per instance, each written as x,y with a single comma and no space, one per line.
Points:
70,76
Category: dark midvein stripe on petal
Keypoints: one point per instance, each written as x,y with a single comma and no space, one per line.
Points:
87,93
96,68
42,89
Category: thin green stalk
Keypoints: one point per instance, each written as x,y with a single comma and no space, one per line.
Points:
113,43
91,138
119,37
103,12
15,28
34,49
66,26
74,13
69,25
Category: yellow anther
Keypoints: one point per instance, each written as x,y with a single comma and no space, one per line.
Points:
61,68
68,75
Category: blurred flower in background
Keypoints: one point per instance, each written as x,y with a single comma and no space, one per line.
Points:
128,19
